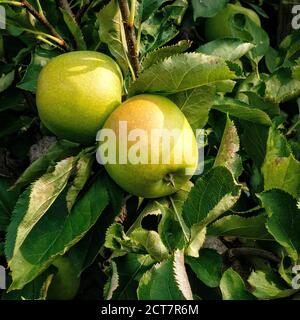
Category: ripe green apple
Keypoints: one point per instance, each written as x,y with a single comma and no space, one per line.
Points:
219,26
65,284
76,92
159,173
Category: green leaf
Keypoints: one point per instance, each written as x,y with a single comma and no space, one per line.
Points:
6,80
84,253
273,59
281,86
150,7
290,45
166,281
74,29
208,267
232,286
55,233
253,99
156,31
176,10
180,196
242,111
284,220
39,58
57,152
268,285
153,207
83,170
228,151
227,48
243,27
111,32
130,269
164,52
254,140
197,239
112,283
19,211
253,83
116,195
170,230
207,8
87,249
213,194
259,10
12,124
8,200
12,99
236,226
195,104
225,86
152,243
116,239
35,290
280,169
140,241
296,70
42,195
182,72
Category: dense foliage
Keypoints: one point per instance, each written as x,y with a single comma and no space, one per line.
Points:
232,232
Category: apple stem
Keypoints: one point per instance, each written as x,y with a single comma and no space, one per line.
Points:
130,33
170,180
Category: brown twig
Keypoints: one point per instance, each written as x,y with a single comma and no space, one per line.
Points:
64,4
43,20
237,252
130,36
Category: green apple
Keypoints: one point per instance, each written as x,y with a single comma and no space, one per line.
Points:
219,26
65,284
144,165
76,92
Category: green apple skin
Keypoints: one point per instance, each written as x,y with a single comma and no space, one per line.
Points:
65,283
149,180
76,92
219,26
